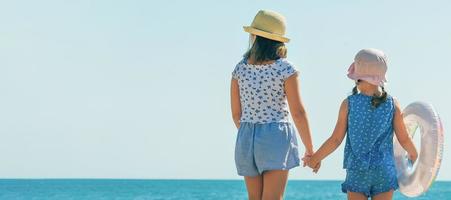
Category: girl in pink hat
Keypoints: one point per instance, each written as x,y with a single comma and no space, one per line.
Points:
369,117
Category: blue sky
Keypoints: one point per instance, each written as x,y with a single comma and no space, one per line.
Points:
140,89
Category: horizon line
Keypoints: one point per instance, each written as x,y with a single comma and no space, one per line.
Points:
171,179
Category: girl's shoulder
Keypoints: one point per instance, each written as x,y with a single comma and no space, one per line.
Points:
394,100
284,63
352,97
238,68
240,63
243,61
285,68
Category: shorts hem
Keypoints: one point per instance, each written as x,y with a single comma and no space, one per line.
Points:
248,174
346,189
394,188
279,168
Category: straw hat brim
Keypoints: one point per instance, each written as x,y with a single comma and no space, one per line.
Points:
265,34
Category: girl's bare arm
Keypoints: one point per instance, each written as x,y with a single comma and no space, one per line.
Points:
298,112
335,139
402,135
235,102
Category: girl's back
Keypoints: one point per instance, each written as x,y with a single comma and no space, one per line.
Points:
368,120
369,141
262,93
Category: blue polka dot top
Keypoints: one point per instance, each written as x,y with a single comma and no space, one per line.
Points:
369,140
262,93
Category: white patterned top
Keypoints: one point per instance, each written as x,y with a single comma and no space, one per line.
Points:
262,93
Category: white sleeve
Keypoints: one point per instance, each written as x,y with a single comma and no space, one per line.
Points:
288,71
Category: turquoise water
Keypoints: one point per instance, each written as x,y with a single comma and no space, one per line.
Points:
175,189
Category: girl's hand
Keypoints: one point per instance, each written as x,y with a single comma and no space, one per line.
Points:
413,157
306,158
308,162
402,135
316,168
312,164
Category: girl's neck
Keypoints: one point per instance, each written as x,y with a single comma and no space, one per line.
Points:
370,91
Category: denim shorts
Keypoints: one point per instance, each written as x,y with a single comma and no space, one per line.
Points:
372,181
265,146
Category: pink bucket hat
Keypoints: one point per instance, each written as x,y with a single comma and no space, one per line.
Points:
369,65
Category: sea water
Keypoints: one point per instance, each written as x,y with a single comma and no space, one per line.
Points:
62,189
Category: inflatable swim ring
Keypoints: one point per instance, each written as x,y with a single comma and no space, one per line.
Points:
416,179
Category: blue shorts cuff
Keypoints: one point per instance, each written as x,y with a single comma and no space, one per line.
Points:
279,168
387,189
345,189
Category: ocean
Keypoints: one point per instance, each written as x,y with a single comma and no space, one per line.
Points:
79,189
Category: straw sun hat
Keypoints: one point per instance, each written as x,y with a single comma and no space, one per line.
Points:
268,24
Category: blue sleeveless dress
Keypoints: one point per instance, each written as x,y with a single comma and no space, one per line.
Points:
368,156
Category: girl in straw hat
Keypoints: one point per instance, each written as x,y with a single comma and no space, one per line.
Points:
264,91
368,116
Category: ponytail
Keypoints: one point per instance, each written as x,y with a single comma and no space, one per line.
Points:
378,100
354,90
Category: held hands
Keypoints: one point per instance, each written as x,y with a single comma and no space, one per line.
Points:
308,161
